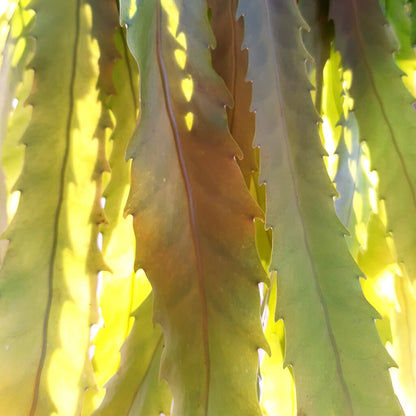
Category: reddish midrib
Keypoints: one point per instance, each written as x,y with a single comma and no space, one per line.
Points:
190,198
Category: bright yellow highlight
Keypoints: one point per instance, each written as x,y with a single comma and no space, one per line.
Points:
361,226
13,203
352,167
4,4
384,287
348,104
16,24
189,120
172,11
278,392
348,139
20,47
180,57
187,85
347,79
132,9
403,319
7,8
372,176
382,214
63,361
358,206
71,316
332,158
181,39
329,139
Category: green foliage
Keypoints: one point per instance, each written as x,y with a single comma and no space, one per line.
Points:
208,207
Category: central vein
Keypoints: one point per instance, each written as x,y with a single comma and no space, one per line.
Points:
190,198
58,210
292,174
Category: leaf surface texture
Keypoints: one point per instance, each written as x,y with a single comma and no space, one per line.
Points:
46,289
384,111
317,281
193,216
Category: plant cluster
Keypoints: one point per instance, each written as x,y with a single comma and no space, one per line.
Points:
208,206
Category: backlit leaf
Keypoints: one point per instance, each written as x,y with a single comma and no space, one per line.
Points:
385,115
405,56
120,289
278,389
317,281
45,286
317,39
403,323
16,50
193,215
231,63
135,388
